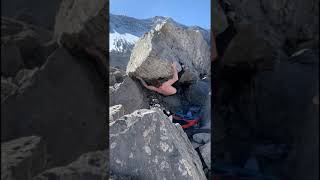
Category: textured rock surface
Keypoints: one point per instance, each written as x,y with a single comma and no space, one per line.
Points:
68,108
146,145
82,23
92,165
201,138
115,112
205,151
116,75
22,158
153,54
129,94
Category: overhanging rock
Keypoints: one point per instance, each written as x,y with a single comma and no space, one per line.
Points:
169,42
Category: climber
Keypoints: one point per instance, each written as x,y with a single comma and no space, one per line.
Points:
165,88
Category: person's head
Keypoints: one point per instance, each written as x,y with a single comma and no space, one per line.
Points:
156,83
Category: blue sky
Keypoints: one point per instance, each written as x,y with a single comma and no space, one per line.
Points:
188,12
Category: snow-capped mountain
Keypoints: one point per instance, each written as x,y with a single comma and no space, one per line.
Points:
125,31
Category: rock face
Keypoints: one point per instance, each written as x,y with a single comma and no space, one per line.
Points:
115,112
201,138
153,54
250,46
205,151
68,108
22,158
92,165
22,46
82,23
129,94
146,145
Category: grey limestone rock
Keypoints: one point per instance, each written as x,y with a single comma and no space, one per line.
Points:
146,145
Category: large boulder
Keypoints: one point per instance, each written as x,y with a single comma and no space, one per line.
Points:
82,23
129,94
22,158
68,108
169,42
146,145
92,165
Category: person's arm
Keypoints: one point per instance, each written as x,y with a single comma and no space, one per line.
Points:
175,77
146,86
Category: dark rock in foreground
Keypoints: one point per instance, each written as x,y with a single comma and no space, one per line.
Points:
90,166
22,158
65,105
